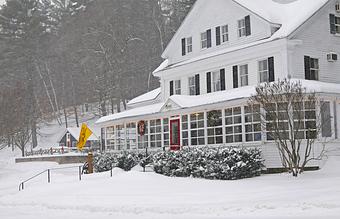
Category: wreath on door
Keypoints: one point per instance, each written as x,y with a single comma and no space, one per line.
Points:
141,128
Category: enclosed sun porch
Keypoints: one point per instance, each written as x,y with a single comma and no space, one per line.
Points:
216,119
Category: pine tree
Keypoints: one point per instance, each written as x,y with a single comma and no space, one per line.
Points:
24,27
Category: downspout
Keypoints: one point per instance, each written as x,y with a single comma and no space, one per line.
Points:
335,120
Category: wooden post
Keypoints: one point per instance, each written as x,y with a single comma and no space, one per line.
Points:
90,162
48,176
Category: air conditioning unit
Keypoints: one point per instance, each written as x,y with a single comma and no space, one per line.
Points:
332,57
337,7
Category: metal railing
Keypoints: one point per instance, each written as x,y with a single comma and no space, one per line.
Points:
48,171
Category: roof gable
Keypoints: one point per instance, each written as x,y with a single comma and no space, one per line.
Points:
290,14
207,15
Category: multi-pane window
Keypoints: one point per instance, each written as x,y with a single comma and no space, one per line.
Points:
131,136
304,115
204,40
241,27
252,123
337,25
177,87
110,138
192,86
243,69
216,81
233,123
120,137
197,129
185,132
155,133
166,132
214,123
143,140
189,44
314,69
264,71
224,33
277,120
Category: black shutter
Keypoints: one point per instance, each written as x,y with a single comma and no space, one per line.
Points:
332,23
171,88
222,75
197,84
307,68
209,38
208,82
248,28
218,36
183,47
235,76
271,69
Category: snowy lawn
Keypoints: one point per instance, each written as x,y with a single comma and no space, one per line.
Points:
147,195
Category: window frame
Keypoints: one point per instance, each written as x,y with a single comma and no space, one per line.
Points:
177,87
188,47
242,76
263,71
235,124
155,133
224,33
314,68
337,24
216,81
215,131
204,40
241,27
198,119
192,87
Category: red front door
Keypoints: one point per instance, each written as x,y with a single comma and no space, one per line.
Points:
175,135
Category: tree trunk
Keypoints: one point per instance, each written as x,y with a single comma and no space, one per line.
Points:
34,133
65,115
76,115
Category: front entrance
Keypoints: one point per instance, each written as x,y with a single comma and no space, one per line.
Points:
175,135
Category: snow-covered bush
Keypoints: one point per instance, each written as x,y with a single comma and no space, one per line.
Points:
210,163
125,160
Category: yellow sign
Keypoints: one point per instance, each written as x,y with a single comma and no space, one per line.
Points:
85,133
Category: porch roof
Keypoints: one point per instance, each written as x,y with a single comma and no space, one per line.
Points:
184,101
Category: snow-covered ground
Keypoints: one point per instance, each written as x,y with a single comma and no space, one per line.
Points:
141,195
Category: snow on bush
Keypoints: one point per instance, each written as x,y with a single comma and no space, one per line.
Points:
210,163
125,160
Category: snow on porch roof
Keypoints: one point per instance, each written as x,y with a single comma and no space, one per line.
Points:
152,95
290,14
184,101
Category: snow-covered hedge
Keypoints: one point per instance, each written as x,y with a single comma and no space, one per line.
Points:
125,160
210,163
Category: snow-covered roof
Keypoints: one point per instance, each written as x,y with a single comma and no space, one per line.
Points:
152,95
184,101
75,132
145,110
290,14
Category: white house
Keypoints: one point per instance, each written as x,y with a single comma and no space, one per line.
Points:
220,53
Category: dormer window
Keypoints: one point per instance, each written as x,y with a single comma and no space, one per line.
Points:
186,45
206,39
244,28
